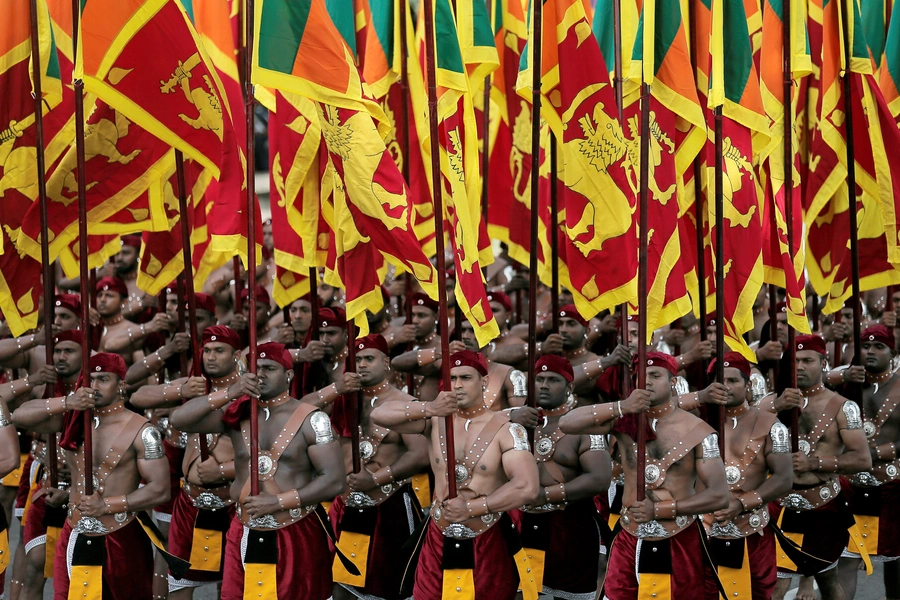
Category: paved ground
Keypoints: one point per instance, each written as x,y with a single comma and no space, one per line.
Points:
869,588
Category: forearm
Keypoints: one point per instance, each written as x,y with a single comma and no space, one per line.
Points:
587,373
408,362
595,419
409,464
16,389
124,340
509,354
324,488
853,461
708,500
157,396
402,417
42,415
149,495
147,366
512,494
12,350
202,414
586,485
9,449
323,397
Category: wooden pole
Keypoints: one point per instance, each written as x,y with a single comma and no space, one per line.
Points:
404,149
84,279
644,202
535,44
437,193
313,323
182,320
251,244
699,205
554,235
189,279
619,83
355,397
789,208
46,268
720,274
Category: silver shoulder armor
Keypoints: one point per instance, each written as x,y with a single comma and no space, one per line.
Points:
520,385
153,448
520,438
710,446
854,417
781,439
4,422
681,385
598,442
321,424
757,387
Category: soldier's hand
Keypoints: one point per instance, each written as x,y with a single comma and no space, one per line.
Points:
285,334
770,351
53,497
92,506
638,401
457,346
789,398
209,471
238,322
262,505
445,404
674,337
716,393
44,375
83,399
889,319
181,342
192,387
159,322
853,374
803,463
642,512
93,316
247,386
362,481
727,514
314,351
519,281
405,334
348,383
607,324
620,356
552,345
525,416
837,331
702,351
455,510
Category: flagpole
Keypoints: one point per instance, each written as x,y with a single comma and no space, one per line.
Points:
437,193
404,152
189,279
313,323
644,202
182,320
789,212
553,236
720,273
618,82
536,42
356,397
699,207
84,278
46,267
486,142
851,190
251,244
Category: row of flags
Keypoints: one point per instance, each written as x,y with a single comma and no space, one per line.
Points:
350,145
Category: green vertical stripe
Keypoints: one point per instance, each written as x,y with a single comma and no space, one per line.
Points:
738,51
189,9
343,16
860,48
53,58
447,51
892,48
383,21
497,14
280,31
874,26
483,34
668,22
526,50
604,32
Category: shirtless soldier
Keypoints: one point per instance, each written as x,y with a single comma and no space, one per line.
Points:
495,473
274,544
573,469
121,336
874,495
757,470
832,441
102,533
507,387
423,359
379,506
681,451
9,461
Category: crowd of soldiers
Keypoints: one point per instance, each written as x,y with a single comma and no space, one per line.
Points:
547,493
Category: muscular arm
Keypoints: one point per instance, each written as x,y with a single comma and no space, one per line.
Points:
714,495
514,398
408,362
395,417
414,460
9,444
149,365
596,472
521,471
856,456
158,396
581,420
32,415
509,354
16,352
328,461
197,416
154,470
781,474
121,340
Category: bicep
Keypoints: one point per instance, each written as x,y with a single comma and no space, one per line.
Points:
710,471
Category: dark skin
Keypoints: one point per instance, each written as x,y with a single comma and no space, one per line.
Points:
315,470
424,320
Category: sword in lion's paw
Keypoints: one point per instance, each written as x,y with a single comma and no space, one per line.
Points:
182,71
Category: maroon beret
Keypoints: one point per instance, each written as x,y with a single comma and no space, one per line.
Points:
661,359
422,299
261,294
570,312
332,317
811,342
113,284
735,360
70,335
205,302
879,333
556,364
132,240
107,362
467,358
69,302
502,299
275,351
375,341
220,333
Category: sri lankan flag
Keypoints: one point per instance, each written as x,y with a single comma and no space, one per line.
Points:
777,259
377,33
734,87
300,243
579,105
176,96
605,32
660,58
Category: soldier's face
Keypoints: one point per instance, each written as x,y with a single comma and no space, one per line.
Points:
424,320
809,369
64,319
301,316
500,315
109,303
273,378
572,333
372,366
204,319
126,259
108,387
335,340
67,358
468,337
468,385
659,384
738,389
876,356
552,389
219,359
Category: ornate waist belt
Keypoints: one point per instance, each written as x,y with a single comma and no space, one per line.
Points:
657,528
469,529
208,498
812,498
